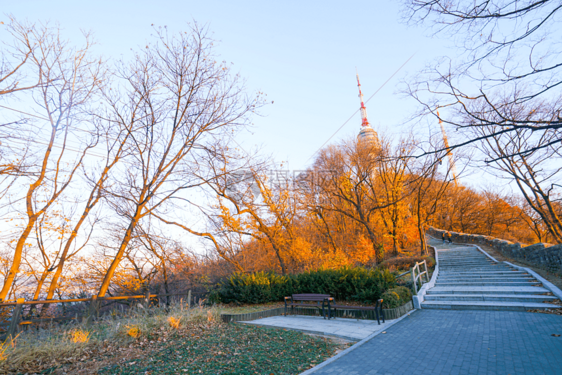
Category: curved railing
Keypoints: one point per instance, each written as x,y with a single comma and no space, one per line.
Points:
417,276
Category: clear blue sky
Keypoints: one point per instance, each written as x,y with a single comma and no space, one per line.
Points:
302,54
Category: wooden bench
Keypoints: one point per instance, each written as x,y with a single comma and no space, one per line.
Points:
378,308
298,300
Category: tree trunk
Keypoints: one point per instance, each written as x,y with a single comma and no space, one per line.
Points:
16,261
115,263
38,291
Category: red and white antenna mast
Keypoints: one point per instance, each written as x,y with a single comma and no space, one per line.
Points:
364,121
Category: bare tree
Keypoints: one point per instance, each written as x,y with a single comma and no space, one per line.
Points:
15,67
16,57
536,172
116,142
429,189
68,79
247,205
533,221
509,45
176,101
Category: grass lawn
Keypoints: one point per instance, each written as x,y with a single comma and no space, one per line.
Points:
230,349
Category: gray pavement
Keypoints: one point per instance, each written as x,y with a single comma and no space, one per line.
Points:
350,329
459,342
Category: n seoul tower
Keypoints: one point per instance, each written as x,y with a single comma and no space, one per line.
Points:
367,134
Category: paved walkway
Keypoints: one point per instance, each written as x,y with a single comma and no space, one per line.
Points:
350,329
458,342
464,341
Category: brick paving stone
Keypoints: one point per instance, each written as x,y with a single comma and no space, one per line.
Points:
460,342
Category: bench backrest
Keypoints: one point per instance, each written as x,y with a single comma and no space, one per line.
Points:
310,297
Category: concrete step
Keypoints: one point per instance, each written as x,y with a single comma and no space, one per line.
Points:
464,259
484,279
473,270
466,265
477,255
473,264
487,290
489,283
486,305
482,274
489,297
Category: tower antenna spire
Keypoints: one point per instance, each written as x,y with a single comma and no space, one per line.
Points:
364,121
366,133
449,151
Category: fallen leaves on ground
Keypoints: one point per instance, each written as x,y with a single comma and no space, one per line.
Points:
553,311
556,311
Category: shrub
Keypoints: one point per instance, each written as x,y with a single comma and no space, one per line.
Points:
396,297
347,283
251,288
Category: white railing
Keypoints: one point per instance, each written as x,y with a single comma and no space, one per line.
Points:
417,276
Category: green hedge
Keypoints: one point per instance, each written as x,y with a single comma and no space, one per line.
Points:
350,284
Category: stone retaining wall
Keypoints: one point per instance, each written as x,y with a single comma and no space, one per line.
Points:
544,255
357,314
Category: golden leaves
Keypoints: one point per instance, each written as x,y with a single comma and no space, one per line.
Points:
174,322
79,336
133,331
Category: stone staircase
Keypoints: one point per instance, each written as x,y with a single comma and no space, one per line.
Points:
468,279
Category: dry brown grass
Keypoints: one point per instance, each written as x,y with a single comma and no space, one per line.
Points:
101,343
4,346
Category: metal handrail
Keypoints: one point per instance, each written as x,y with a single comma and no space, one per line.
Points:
419,275
402,274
